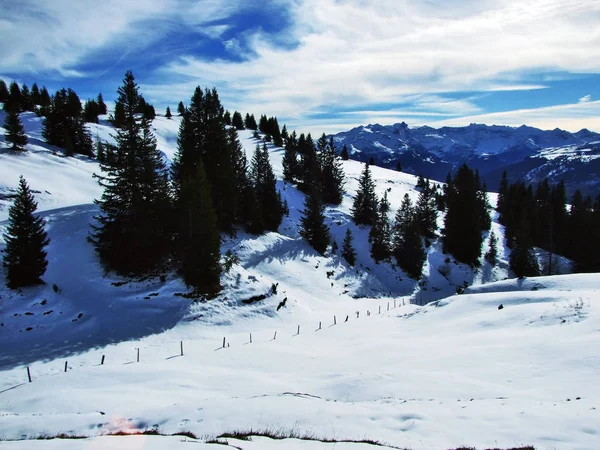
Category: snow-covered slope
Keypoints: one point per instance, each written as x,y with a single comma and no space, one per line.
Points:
456,372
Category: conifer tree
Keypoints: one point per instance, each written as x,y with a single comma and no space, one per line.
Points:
332,174
426,211
15,133
263,124
45,101
14,101
102,109
180,109
491,255
265,187
100,151
91,111
27,104
312,223
364,206
250,122
309,168
24,257
236,120
4,95
290,158
502,192
35,94
407,246
168,114
523,261
344,153
284,134
380,234
348,252
398,166
227,118
131,235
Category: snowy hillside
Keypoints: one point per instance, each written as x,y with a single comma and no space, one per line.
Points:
347,357
524,152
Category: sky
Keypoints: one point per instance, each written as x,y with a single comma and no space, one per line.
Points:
323,65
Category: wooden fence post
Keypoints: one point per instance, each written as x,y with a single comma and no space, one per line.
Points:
251,338
223,342
181,344
379,309
275,336
357,314
388,306
66,365
28,374
138,354
346,318
334,321
298,329
102,361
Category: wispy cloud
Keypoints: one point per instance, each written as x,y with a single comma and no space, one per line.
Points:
585,99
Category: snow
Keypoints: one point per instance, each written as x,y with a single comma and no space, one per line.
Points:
458,371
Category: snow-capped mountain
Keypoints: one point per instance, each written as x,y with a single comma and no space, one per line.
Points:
524,152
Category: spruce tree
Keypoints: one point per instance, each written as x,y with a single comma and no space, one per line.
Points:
344,153
102,109
14,100
265,187
312,223
332,175
227,118
407,246
132,231
491,255
35,94
168,114
27,104
426,211
45,101
263,124
523,261
502,192
180,109
250,122
24,257
91,111
4,95
309,168
15,133
380,234
284,134
237,121
364,206
290,158
348,252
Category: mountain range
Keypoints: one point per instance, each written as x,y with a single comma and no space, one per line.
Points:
526,153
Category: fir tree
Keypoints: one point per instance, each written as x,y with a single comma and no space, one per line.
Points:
24,257
168,114
180,109
344,153
35,94
523,261
407,246
332,175
312,223
348,252
14,101
250,122
290,158
265,187
284,134
502,192
27,104
100,151
426,211
4,95
91,111
227,118
131,235
380,234
263,124
364,206
491,255
102,109
236,121
45,101
15,133
309,168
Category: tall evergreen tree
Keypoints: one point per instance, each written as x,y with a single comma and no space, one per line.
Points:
250,122
309,168
332,174
227,118
312,223
132,233
91,111
348,252
407,246
380,234
284,134
180,109
4,95
364,206
263,124
523,261
168,114
344,153
15,133
27,103
426,211
35,94
45,101
492,254
237,121
502,192
102,109
290,158
24,257
265,187
14,100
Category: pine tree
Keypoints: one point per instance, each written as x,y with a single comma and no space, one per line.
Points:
27,104
523,261
491,255
15,133
265,187
4,95
131,235
227,118
502,192
344,153
365,201
263,124
180,109
284,135
14,101
237,121
348,252
407,246
100,151
168,114
380,234
312,223
426,211
332,175
24,257
250,122
35,94
45,101
290,158
309,168
102,109
91,111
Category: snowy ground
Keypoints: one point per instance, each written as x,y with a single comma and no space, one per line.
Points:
456,372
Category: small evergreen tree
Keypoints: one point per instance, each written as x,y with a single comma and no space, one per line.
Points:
102,109
348,252
250,122
237,121
398,166
344,153
27,104
312,223
168,114
24,257
332,175
365,201
290,158
380,234
4,95
284,134
180,109
407,246
227,118
426,211
523,261
35,94
91,111
491,255
15,133
265,187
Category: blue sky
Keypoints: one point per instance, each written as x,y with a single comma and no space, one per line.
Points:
324,65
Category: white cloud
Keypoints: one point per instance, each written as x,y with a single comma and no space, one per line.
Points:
585,99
